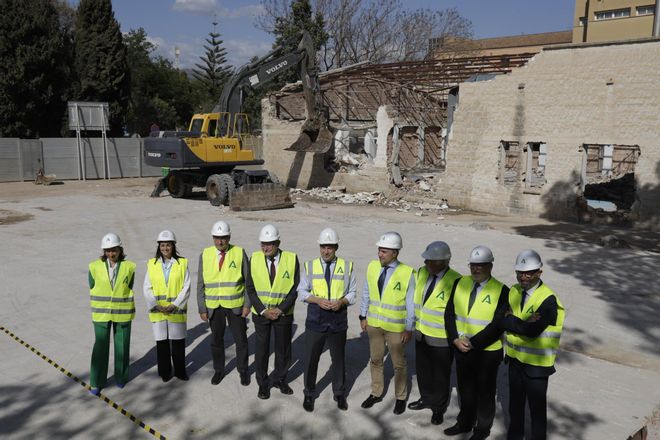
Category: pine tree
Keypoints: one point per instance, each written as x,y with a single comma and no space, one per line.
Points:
33,69
213,71
101,61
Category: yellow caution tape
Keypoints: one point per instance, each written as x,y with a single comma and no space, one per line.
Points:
101,396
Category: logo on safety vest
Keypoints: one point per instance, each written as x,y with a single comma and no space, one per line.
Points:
232,264
441,295
397,286
286,275
530,310
486,300
340,270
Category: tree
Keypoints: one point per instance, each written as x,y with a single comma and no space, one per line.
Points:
213,71
101,60
34,77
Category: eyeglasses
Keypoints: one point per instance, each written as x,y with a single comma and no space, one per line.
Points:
527,273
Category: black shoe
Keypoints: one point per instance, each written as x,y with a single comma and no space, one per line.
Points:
399,406
284,388
183,376
436,418
308,403
264,392
217,378
417,405
479,436
342,404
457,429
245,379
166,378
371,400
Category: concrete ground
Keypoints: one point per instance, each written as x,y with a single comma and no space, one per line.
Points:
606,386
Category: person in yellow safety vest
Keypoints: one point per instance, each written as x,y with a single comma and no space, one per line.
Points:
433,354
387,314
222,300
478,303
533,325
111,280
328,287
166,290
272,285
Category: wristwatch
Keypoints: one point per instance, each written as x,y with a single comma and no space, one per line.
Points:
362,318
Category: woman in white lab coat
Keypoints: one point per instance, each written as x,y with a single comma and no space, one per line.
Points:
166,291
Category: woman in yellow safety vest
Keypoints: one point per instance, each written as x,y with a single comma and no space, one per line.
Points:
166,291
111,298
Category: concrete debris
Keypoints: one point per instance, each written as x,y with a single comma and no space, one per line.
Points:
614,242
339,195
424,186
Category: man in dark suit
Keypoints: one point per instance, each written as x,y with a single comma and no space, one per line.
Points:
533,326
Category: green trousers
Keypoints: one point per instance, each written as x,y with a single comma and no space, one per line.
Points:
99,369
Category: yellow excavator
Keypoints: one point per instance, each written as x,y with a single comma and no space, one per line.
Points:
208,154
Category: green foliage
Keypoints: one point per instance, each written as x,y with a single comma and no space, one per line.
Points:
34,78
159,92
213,71
101,60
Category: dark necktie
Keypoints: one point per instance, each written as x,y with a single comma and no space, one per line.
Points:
430,288
328,276
272,270
524,299
222,260
473,296
381,280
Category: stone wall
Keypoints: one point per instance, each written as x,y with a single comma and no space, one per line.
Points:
565,97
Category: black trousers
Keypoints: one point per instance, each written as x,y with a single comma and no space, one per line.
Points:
476,375
314,343
238,327
434,374
283,330
532,390
166,357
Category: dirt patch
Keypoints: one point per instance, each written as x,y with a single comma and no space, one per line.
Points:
8,217
42,208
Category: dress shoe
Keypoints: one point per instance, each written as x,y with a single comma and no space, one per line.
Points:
120,385
283,387
245,379
457,429
94,391
478,436
183,376
399,406
217,378
342,404
436,418
371,400
166,378
308,403
417,405
264,392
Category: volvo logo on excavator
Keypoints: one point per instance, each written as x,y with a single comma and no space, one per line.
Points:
276,67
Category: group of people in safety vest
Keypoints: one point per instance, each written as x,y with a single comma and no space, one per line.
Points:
473,320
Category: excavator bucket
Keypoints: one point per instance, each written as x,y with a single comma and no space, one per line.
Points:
262,196
313,141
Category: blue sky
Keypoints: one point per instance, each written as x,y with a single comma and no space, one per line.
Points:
186,23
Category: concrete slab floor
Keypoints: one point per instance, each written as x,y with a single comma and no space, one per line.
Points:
607,375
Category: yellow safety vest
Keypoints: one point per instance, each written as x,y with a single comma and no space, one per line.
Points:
389,311
272,296
224,288
542,350
110,304
483,310
166,293
340,278
431,314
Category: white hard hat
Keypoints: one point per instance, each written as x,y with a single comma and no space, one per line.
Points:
437,250
110,240
166,236
390,240
481,254
528,260
220,229
328,236
269,233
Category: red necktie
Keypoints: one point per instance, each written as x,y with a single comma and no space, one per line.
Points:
222,260
272,270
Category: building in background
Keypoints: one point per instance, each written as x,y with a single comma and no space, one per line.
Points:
612,20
